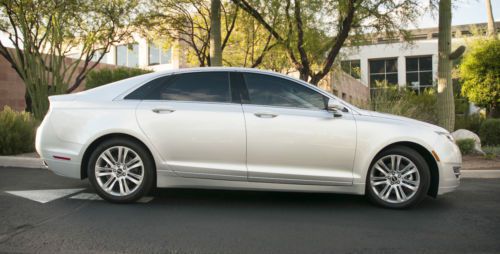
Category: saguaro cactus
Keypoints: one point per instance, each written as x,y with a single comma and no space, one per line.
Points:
445,100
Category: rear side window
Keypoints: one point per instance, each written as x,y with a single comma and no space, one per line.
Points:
198,86
274,91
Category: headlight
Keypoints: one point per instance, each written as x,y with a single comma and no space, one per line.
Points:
447,135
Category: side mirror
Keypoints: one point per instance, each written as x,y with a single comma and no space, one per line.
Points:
335,105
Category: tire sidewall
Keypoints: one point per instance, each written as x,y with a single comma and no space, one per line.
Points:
149,170
423,170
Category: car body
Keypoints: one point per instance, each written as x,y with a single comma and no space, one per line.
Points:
224,139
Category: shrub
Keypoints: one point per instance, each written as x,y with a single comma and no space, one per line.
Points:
491,152
469,122
17,132
405,102
480,74
466,145
105,76
490,132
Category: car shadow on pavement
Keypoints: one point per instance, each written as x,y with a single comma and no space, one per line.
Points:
267,199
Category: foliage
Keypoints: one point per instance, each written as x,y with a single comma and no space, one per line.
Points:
105,76
405,102
17,132
244,41
491,152
45,33
312,32
490,132
480,74
469,122
466,146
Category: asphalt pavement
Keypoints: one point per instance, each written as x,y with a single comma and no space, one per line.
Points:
44,213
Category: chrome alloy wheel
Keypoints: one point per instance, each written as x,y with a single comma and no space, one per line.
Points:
119,171
394,178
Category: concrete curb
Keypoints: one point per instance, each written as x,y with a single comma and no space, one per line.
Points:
480,173
20,162
27,162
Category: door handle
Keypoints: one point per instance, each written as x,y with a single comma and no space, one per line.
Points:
162,110
265,115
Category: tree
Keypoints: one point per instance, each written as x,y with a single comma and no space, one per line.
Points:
188,22
445,100
314,31
45,33
215,34
492,32
480,75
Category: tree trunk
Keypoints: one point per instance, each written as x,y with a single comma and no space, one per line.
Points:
445,100
215,37
492,32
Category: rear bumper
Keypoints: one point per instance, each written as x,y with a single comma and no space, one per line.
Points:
50,147
64,168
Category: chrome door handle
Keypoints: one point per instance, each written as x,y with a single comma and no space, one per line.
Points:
265,115
162,110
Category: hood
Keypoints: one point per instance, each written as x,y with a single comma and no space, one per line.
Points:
403,119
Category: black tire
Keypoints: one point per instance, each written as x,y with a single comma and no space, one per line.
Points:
149,178
423,170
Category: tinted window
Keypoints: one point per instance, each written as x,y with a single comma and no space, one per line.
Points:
274,91
202,86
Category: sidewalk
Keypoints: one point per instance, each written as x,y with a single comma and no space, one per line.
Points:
31,161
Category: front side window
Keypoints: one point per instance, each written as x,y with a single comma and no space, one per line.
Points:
274,91
201,86
127,55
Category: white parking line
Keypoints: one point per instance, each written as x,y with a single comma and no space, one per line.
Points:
44,196
93,196
86,196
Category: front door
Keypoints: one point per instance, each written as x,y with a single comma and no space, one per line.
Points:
292,138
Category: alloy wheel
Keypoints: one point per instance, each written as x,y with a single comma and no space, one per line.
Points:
119,171
395,179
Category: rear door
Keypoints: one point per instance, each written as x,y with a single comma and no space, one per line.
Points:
195,126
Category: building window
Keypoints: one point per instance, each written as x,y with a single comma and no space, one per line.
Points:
419,73
383,70
352,67
159,55
127,55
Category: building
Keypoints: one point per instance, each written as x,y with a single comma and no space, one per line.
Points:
412,64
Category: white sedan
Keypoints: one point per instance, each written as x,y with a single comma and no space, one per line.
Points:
237,128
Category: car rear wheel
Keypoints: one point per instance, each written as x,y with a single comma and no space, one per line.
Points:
398,178
121,171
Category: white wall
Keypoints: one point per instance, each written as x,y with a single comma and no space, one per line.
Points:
398,50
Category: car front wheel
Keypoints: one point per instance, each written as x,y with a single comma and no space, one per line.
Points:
120,170
398,178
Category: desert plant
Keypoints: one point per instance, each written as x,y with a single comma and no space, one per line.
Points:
17,132
405,102
466,146
105,76
490,132
469,122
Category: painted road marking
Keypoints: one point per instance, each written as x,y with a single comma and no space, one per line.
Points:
93,196
44,196
86,196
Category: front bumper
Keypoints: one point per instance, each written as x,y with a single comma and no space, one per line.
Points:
450,163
